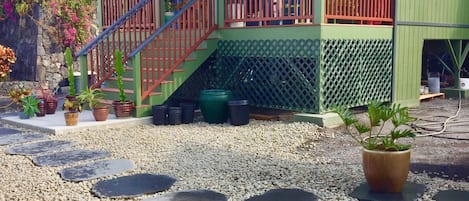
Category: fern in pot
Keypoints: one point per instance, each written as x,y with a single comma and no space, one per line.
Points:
386,161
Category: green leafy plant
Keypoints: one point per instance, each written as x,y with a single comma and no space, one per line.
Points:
71,78
91,97
29,104
120,73
459,51
371,135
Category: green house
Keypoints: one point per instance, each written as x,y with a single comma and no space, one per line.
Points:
302,55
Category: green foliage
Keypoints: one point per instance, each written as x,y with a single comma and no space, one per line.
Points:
120,73
71,78
459,51
91,97
371,136
72,105
29,104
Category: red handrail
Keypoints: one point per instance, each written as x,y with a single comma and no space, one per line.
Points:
174,42
240,13
359,11
125,36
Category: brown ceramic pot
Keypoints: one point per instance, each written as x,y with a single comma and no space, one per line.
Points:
71,118
101,113
51,106
42,108
386,171
123,109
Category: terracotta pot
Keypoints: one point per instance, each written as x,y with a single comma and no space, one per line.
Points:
123,109
42,108
71,118
71,98
101,113
386,171
51,106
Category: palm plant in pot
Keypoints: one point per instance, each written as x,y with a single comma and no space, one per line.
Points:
386,162
122,107
92,97
73,109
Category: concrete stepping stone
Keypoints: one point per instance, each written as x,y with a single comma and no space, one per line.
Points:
96,169
444,171
132,186
453,195
285,195
8,131
410,191
21,138
39,147
69,157
196,195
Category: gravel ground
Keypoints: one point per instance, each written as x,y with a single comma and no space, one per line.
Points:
238,161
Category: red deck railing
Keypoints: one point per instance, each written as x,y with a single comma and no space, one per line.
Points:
112,10
240,13
171,44
359,11
125,34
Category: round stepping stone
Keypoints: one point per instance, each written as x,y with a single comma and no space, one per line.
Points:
132,186
21,138
199,195
453,195
39,147
8,131
285,195
410,191
444,171
69,157
96,169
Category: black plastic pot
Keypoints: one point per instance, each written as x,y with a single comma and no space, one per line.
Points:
159,114
187,113
174,115
239,112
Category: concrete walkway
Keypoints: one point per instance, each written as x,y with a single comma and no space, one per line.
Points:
55,123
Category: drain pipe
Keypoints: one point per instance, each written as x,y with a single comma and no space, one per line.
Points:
394,34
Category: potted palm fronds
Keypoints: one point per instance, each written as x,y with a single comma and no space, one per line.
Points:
386,161
92,97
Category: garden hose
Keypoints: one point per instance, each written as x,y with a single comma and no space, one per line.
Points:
427,130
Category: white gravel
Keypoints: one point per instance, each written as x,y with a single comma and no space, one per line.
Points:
238,161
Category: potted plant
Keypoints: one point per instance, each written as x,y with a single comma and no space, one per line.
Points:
385,161
92,98
169,13
43,92
71,77
122,107
29,107
73,109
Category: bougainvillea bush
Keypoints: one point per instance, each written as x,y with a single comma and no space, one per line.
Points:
7,58
70,20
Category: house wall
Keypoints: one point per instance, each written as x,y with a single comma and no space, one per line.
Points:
416,21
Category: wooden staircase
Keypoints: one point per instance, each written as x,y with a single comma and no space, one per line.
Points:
157,61
167,87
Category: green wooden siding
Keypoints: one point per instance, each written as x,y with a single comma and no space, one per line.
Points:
435,11
419,20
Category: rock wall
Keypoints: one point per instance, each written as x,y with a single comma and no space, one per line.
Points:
39,56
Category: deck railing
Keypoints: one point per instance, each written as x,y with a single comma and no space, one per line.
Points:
359,11
172,43
125,34
240,13
112,10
